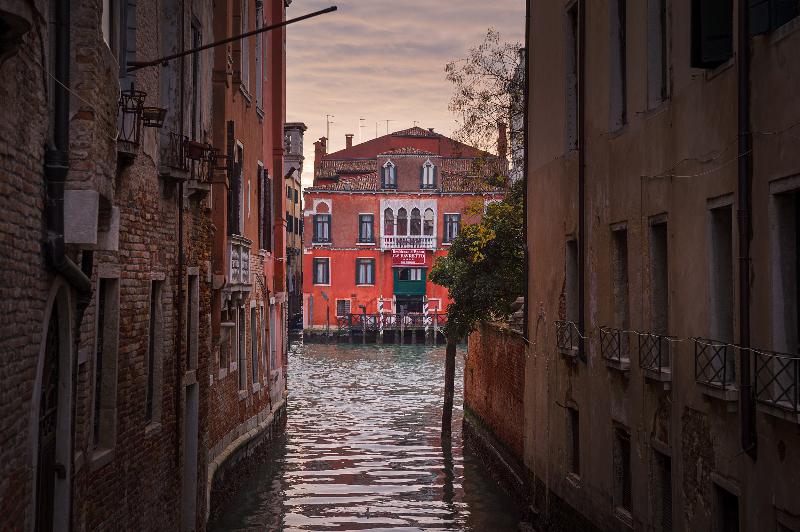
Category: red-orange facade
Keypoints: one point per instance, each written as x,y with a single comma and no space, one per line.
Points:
378,216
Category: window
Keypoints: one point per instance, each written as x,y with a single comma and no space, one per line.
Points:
322,271
241,348
416,222
619,277
265,203
452,226
389,175
410,274
720,274
296,196
622,469
786,274
726,510
659,279
154,354
365,271
427,223
259,57
236,194
289,222
195,117
365,223
402,222
573,442
254,343
768,15
245,46
428,175
273,339
712,32
225,348
571,281
388,222
105,364
342,307
288,192
264,338
657,85
571,35
192,319
322,228
619,85
110,24
662,492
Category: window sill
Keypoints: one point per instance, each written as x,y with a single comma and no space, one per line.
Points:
570,353
663,376
622,365
243,394
574,480
245,93
100,458
728,395
365,243
259,112
780,413
716,71
321,243
152,428
366,284
256,387
233,367
318,284
782,32
624,517
222,374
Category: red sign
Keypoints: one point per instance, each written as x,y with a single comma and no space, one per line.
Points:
408,257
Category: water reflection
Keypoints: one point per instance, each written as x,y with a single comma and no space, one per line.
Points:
363,451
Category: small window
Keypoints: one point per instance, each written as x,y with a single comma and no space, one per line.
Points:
388,222
105,363
452,226
428,175
342,307
402,222
726,518
573,442
288,192
571,273
571,36
322,228
254,343
427,223
720,274
244,61
296,196
619,74
259,56
273,339
661,480
619,278
416,222
712,32
389,175
659,279
622,469
365,225
241,348
657,82
154,354
289,222
322,271
365,271
193,319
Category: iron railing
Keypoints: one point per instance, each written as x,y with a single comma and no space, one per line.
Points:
375,321
173,152
714,363
778,380
614,345
412,242
131,103
654,352
567,337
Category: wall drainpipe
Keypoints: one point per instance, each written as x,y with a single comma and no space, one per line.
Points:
525,155
746,397
581,176
179,310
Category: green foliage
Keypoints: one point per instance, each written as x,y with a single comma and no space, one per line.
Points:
484,271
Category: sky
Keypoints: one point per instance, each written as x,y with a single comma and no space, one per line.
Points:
382,60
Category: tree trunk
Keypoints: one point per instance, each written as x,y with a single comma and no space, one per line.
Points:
449,382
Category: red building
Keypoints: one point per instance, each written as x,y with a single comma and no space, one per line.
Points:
378,215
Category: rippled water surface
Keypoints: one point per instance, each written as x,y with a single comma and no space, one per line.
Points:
363,450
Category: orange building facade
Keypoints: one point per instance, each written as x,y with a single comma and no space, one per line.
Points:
380,213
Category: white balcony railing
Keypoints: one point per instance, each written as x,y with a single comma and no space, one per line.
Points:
412,242
239,253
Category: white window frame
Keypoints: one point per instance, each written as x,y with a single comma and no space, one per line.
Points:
391,173
428,173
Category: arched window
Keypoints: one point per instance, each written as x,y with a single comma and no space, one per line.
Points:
388,175
402,222
388,222
416,222
427,227
428,175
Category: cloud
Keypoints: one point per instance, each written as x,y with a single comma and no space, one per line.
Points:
382,59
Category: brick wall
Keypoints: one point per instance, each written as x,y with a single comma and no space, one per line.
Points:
494,383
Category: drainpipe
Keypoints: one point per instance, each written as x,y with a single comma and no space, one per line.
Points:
581,173
525,155
746,397
179,309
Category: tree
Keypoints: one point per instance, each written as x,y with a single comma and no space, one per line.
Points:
484,272
488,88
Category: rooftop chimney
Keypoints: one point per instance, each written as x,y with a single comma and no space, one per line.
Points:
320,150
348,140
502,140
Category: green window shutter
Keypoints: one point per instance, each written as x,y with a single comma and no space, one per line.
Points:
383,177
435,175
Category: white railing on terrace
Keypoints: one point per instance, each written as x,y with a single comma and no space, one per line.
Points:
412,242
239,253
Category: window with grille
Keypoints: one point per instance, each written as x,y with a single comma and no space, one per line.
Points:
342,307
365,271
452,226
322,271
365,225
322,228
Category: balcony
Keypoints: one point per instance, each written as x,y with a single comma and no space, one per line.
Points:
239,265
410,242
778,384
654,356
567,339
715,369
615,349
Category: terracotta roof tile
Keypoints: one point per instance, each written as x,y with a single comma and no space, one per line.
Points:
415,131
409,151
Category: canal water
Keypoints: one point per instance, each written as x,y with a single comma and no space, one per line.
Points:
363,450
